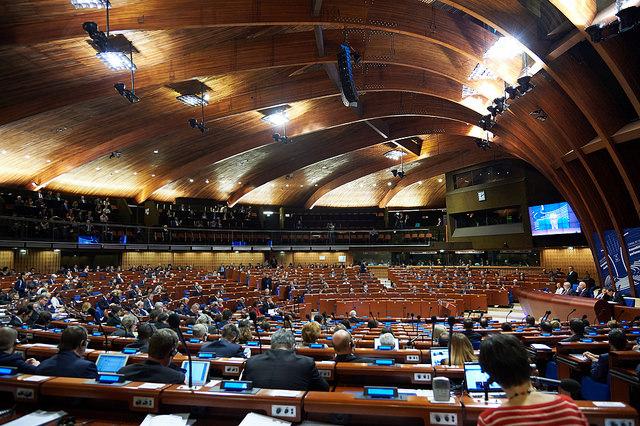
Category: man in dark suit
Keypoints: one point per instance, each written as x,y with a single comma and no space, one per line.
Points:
577,327
20,286
8,358
600,363
69,361
145,331
343,346
474,337
226,346
282,368
572,276
163,346
582,290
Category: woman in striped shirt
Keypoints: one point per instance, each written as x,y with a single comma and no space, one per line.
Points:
505,360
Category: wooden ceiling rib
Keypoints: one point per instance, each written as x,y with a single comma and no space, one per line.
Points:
60,116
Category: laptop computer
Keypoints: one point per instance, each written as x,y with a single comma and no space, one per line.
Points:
111,363
199,372
475,380
439,355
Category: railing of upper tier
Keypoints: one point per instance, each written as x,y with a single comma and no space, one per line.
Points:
23,229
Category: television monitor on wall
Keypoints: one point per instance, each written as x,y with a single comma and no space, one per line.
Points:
553,219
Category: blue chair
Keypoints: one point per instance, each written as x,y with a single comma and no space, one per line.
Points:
476,344
551,372
595,391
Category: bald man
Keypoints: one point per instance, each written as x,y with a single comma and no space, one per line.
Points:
343,346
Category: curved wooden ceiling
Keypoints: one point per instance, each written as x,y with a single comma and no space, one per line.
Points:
60,117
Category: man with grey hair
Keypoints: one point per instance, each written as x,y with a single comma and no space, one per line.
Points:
200,332
281,368
226,346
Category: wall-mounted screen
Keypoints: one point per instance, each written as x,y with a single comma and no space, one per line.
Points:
553,219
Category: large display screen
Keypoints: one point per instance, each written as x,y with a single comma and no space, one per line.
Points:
553,219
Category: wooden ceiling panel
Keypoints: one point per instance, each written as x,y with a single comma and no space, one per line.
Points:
429,193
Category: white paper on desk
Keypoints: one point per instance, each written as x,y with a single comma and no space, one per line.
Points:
35,378
213,383
612,404
417,392
150,386
326,362
580,357
43,345
540,347
253,419
38,418
284,393
165,420
186,387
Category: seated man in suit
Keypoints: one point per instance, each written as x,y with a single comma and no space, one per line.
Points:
577,327
343,346
473,336
226,346
129,324
281,368
69,361
163,346
145,331
8,358
600,364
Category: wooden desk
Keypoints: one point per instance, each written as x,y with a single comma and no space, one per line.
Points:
623,374
413,410
536,303
596,415
452,372
268,401
399,375
22,390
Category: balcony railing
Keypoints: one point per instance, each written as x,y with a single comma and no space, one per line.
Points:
24,229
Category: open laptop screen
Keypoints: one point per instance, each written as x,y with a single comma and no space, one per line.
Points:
199,374
475,378
439,355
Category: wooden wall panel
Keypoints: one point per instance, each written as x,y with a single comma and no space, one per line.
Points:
580,258
307,258
43,261
6,259
199,260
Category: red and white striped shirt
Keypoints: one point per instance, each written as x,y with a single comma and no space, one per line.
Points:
559,412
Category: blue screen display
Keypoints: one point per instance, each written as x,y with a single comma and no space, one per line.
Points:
88,239
199,372
129,351
252,343
476,378
316,346
553,219
7,371
206,355
110,363
381,392
385,348
235,386
385,362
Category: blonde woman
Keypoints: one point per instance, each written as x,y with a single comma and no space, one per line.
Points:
461,350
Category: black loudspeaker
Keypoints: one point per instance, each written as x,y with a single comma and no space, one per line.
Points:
347,82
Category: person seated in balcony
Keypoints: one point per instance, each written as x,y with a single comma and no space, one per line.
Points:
504,358
163,346
8,357
69,361
344,346
281,368
600,363
226,346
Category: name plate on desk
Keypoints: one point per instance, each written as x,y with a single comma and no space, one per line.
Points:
379,392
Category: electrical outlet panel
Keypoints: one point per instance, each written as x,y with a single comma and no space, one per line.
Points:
619,422
143,402
283,411
25,394
443,419
325,373
421,377
231,369
413,358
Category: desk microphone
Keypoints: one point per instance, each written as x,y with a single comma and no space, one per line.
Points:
174,324
570,314
506,319
254,317
91,311
433,328
546,316
451,320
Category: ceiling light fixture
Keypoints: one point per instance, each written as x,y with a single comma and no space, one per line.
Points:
504,48
194,100
190,180
155,151
195,124
394,154
114,58
277,118
90,4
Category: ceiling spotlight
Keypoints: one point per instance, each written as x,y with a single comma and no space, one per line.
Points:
629,18
125,93
504,48
524,84
539,114
394,154
115,154
155,151
487,122
194,100
512,92
483,144
99,39
190,180
206,181
439,180
602,32
389,184
117,61
493,110
113,58
195,124
282,139
398,173
90,4
277,118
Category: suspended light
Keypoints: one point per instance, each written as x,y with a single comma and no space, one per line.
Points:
278,118
504,48
394,154
480,72
194,100
90,4
116,61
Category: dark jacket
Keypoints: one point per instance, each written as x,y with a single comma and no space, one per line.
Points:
151,371
223,348
121,332
16,360
282,369
600,369
140,345
353,358
573,338
473,336
67,364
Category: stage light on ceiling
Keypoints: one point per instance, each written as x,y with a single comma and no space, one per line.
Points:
90,4
278,118
398,173
200,125
389,184
629,18
117,61
480,72
114,58
282,139
206,181
155,151
126,93
468,91
394,154
194,100
524,84
539,114
439,180
190,180
504,48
